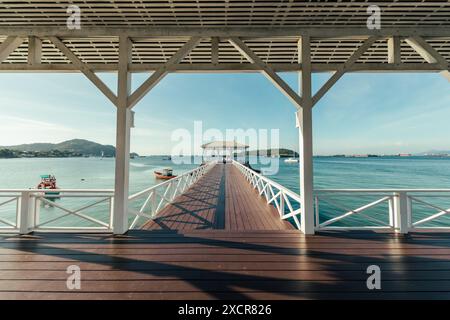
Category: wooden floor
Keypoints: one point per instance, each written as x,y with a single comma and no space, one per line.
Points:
226,265
221,200
222,247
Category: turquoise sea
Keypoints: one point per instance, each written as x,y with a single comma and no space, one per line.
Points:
329,172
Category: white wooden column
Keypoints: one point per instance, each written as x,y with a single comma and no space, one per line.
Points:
124,119
304,122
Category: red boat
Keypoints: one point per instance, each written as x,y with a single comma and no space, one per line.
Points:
48,182
166,174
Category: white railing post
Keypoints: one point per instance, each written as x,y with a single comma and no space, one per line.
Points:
282,205
26,213
37,211
409,211
316,208
391,205
401,212
111,212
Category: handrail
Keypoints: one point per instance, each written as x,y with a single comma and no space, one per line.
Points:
20,209
402,207
159,196
276,194
379,190
98,196
33,205
273,183
60,190
159,185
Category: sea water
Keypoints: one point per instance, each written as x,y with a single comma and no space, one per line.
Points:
329,172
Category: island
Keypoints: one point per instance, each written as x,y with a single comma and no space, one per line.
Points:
276,153
65,149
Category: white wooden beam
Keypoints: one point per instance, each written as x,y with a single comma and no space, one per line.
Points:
84,68
224,32
267,71
429,54
223,67
394,50
123,128
8,46
162,71
344,68
304,120
34,50
426,51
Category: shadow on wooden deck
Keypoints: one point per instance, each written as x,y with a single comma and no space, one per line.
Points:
226,265
221,200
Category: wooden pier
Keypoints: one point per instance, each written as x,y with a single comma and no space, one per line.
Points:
221,240
221,200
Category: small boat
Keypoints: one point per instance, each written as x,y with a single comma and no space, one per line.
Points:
167,158
293,159
165,174
48,182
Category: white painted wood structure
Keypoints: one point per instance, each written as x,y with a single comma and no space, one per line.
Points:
165,36
222,148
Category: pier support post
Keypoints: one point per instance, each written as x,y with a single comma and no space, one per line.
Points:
304,123
124,120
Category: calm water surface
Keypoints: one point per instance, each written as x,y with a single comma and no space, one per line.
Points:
384,172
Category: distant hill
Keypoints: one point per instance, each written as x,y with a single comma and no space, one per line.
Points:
282,153
75,146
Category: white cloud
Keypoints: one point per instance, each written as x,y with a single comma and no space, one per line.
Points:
17,130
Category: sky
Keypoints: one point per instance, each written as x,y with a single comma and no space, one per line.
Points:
363,113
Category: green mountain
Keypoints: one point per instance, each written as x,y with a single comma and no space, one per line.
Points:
282,153
32,147
75,147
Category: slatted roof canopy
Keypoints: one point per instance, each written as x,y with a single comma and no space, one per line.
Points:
224,13
159,28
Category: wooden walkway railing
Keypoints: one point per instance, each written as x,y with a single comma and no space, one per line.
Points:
221,200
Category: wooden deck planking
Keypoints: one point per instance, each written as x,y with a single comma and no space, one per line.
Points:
225,264
221,200
220,240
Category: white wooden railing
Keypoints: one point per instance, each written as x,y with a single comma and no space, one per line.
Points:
401,210
85,210
149,202
284,200
23,211
10,210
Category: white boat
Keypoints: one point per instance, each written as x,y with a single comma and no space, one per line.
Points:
291,160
